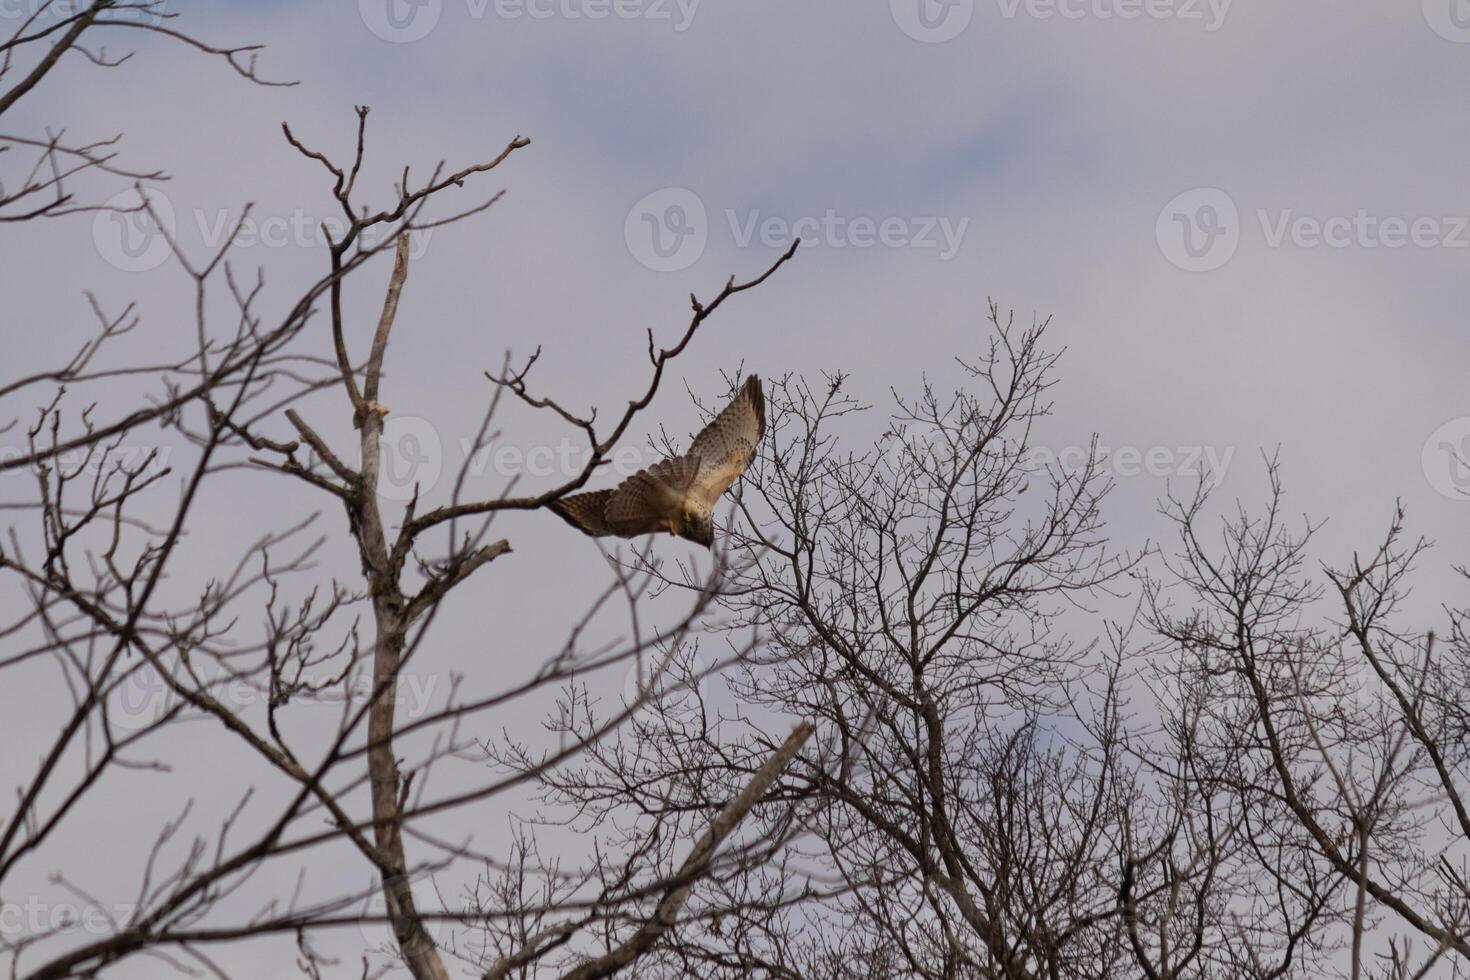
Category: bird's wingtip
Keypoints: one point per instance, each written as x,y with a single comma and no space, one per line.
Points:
757,398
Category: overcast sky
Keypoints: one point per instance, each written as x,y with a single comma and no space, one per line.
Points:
1247,221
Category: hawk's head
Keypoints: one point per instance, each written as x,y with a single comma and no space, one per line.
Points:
699,528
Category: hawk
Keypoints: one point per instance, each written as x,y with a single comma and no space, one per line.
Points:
678,495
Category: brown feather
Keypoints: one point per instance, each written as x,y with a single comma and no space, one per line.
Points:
649,499
658,498
585,511
727,444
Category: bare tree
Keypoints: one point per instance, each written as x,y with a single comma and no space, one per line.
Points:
1341,729
911,602
40,184
1207,789
93,547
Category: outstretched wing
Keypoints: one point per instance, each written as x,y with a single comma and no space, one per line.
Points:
727,444
655,499
585,511
650,500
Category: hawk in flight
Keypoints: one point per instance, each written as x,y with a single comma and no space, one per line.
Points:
678,495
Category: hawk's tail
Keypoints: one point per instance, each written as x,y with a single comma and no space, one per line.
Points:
584,511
